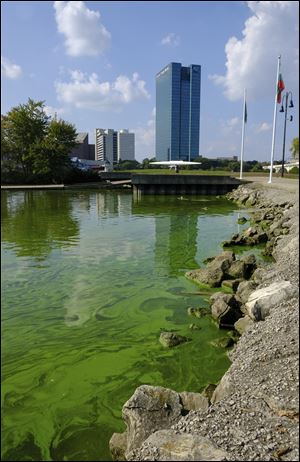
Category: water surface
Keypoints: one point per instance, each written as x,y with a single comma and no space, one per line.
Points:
88,280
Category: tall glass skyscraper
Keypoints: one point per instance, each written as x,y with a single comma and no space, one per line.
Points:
178,112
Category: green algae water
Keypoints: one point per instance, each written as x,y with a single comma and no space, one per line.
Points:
88,281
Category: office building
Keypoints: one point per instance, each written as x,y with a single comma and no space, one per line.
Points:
125,145
106,145
178,112
114,146
83,150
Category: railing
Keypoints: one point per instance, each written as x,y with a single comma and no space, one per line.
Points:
287,167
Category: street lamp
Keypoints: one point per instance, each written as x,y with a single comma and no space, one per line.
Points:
286,96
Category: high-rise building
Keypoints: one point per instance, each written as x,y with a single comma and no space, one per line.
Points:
114,146
125,145
178,112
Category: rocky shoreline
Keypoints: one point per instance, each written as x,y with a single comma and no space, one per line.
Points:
253,412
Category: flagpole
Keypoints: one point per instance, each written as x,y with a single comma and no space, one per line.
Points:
243,133
274,121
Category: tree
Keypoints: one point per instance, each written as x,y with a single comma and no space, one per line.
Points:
50,155
22,127
146,163
295,148
33,144
127,165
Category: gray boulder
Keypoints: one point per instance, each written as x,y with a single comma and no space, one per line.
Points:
243,324
171,445
148,410
262,301
224,389
244,290
193,401
215,270
225,309
212,278
231,284
250,264
237,270
118,445
170,339
208,391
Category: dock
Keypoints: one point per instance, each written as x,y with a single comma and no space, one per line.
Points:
184,184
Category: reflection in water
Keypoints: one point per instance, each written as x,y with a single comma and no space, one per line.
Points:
110,203
35,222
80,331
175,243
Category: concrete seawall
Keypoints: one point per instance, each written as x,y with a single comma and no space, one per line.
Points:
184,184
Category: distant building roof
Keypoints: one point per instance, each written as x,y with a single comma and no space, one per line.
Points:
81,137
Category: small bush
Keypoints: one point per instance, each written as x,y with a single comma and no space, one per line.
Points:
294,170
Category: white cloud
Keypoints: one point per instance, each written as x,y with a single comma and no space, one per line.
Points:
82,28
171,39
10,70
89,92
252,61
264,127
230,126
53,111
233,122
145,139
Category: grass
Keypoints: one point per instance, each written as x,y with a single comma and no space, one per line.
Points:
166,171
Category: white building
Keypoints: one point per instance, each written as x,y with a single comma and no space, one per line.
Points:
106,145
114,146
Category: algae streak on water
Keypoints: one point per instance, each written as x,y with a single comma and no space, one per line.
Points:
89,280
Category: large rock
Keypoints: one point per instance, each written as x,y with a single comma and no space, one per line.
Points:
243,324
244,290
118,445
225,308
148,410
208,391
231,284
251,236
171,445
193,401
261,301
237,270
250,264
215,270
224,389
170,339
206,276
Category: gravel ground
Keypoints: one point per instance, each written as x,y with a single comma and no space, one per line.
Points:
259,420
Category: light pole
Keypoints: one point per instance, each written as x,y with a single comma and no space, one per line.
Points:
286,96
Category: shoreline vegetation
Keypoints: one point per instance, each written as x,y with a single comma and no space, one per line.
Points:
252,413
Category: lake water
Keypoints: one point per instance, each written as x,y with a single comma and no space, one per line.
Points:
88,280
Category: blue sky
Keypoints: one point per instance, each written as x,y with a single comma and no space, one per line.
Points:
94,64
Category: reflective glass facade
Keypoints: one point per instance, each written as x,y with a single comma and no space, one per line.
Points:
178,112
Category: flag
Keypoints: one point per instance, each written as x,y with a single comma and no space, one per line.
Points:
245,113
280,88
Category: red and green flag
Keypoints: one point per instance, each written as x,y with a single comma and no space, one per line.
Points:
280,88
